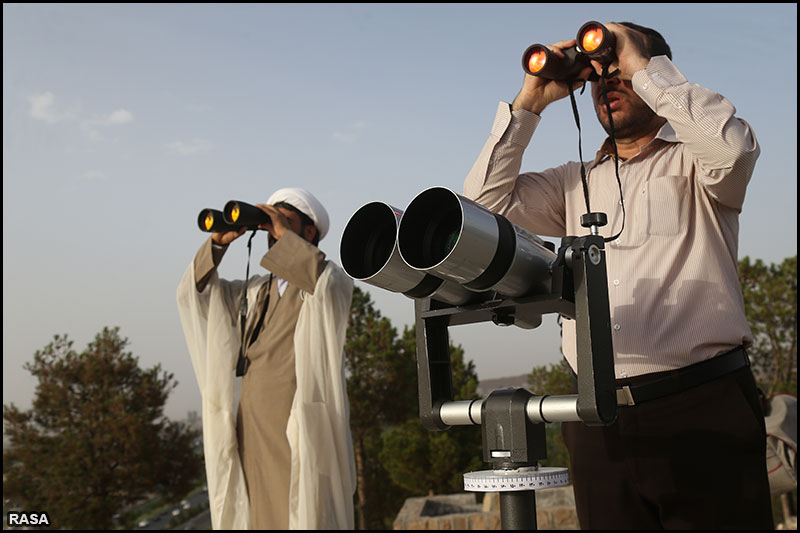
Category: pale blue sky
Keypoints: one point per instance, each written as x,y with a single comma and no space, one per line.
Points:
120,122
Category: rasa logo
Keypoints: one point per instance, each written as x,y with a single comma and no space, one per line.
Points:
23,518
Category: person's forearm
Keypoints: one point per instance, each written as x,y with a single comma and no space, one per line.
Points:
724,145
493,176
206,262
296,260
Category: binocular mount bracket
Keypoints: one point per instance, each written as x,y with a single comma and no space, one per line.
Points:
512,420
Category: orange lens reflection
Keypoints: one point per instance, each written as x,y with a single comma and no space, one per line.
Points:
592,38
209,221
537,60
235,213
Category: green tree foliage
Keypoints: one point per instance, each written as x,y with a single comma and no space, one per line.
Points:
381,388
553,380
391,447
770,299
95,439
770,302
381,376
432,462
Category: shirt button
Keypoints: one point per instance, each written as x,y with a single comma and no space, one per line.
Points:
623,374
616,327
616,282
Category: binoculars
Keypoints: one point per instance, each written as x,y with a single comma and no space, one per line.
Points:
595,42
446,247
233,217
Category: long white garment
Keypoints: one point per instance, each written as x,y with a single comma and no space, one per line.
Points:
323,469
323,477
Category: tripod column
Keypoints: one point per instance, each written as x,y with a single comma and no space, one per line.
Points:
511,441
518,510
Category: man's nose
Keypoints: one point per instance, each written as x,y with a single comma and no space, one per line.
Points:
613,82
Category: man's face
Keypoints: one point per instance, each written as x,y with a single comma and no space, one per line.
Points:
632,116
296,225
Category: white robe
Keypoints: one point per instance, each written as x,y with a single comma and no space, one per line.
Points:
323,478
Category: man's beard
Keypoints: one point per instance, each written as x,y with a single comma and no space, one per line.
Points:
630,124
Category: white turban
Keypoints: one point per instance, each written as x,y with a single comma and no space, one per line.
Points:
307,204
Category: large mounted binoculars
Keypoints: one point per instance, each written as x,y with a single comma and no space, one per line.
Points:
446,247
233,217
463,264
594,42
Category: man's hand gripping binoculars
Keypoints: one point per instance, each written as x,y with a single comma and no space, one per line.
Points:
594,43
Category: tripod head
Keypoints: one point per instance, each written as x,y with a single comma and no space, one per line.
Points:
577,291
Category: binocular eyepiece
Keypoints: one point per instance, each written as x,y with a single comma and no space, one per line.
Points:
594,42
233,217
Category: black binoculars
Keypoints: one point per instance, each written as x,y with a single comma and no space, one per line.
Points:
233,217
595,42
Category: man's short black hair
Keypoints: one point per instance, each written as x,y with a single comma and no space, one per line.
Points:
305,220
656,44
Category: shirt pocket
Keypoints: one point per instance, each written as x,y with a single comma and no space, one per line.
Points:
667,205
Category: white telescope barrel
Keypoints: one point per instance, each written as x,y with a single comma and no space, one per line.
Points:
539,409
461,413
369,253
450,236
553,408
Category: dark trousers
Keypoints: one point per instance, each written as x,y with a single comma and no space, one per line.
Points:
691,460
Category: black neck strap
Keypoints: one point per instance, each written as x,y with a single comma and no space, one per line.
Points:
243,363
604,91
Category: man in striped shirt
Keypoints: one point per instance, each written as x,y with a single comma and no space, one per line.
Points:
688,447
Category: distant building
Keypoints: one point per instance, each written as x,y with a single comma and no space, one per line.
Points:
194,420
485,386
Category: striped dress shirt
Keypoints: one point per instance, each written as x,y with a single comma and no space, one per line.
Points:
673,286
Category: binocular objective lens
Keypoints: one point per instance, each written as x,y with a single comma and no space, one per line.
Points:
235,213
592,38
440,239
209,221
537,60
450,241
378,250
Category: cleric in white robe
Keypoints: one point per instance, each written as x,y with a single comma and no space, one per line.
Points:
284,459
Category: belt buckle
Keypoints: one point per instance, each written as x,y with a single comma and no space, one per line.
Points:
625,396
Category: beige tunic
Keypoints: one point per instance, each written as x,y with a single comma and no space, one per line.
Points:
269,385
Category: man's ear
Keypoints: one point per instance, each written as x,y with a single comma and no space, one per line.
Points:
310,232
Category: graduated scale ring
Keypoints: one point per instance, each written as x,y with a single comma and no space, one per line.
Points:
529,478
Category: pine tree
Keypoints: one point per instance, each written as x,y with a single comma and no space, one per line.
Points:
381,388
95,439
434,462
770,300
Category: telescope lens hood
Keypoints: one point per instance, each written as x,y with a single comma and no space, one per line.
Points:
368,252
447,235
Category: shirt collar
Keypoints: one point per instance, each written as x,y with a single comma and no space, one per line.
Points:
666,133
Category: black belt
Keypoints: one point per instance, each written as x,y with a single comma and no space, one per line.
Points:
684,378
